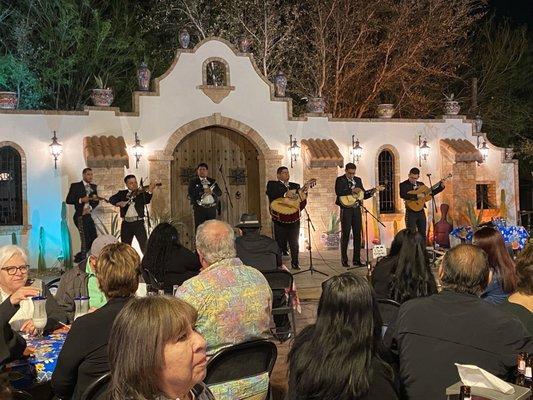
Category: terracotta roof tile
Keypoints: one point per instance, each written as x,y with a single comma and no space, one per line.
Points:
463,150
105,151
322,153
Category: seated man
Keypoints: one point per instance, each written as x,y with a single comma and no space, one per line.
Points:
454,326
233,300
81,280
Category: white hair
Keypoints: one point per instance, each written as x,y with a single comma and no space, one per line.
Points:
216,241
9,251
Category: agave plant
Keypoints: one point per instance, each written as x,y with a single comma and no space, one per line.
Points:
333,224
66,240
113,230
474,219
100,83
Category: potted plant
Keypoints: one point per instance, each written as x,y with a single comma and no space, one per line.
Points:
102,95
330,238
451,106
385,108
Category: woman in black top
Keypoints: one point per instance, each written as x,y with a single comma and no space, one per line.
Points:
167,259
338,356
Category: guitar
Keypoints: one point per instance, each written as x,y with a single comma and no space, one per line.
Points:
418,204
287,209
207,200
350,200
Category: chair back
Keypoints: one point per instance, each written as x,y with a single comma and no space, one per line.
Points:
97,387
388,310
279,279
241,361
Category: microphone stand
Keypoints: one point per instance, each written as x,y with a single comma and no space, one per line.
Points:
311,268
368,264
433,212
225,186
146,212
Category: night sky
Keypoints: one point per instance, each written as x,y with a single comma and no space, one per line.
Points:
519,11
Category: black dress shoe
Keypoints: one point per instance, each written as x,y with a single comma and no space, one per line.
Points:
345,264
358,264
295,266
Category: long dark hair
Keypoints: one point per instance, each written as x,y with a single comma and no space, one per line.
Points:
164,237
397,242
332,359
491,240
412,277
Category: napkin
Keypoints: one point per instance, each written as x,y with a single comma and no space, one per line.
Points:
478,377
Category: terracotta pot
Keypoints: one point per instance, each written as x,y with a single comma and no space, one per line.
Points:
143,77
102,97
385,110
8,100
316,105
280,83
451,107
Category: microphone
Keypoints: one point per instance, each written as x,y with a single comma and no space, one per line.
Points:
428,175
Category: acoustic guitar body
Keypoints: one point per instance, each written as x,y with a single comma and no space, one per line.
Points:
287,214
418,204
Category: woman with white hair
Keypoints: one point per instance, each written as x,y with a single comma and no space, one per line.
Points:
14,271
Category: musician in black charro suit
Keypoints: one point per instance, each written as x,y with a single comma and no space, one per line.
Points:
84,196
204,194
416,219
285,232
132,202
350,216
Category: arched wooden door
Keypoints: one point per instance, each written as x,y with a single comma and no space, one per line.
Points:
219,148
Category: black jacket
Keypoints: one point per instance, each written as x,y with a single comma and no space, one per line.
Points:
83,357
75,193
432,333
276,189
140,201
258,251
196,190
407,186
12,345
382,276
343,188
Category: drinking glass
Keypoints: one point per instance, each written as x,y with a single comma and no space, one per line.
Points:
39,314
82,306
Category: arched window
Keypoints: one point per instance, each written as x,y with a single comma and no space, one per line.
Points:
386,177
10,187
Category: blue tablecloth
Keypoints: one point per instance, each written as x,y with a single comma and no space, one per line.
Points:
515,236
38,368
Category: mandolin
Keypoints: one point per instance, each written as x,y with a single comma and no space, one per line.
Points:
350,200
287,209
418,204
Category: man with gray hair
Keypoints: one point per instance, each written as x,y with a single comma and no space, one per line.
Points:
433,333
233,300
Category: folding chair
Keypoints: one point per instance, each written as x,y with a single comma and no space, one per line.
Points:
281,282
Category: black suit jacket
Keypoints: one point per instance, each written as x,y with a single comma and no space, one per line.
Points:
83,357
140,201
343,188
276,189
407,186
12,345
75,193
196,190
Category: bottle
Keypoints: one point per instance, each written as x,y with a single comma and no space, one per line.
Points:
464,393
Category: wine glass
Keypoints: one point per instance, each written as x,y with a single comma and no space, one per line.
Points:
39,314
82,306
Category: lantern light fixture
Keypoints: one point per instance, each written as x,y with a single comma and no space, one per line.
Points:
138,150
356,150
294,150
423,150
483,148
56,149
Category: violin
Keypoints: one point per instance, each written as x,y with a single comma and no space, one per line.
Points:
140,190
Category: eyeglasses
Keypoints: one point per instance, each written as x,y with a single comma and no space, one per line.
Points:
13,270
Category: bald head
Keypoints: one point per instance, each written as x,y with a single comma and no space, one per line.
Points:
464,269
215,241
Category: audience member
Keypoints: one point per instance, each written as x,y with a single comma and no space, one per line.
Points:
405,273
83,357
167,259
233,300
12,345
520,303
256,250
503,269
80,281
338,356
176,363
454,326
14,270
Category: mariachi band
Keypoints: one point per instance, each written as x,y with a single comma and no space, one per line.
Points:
287,200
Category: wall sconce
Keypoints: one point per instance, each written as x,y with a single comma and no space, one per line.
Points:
55,149
483,148
356,150
138,150
294,150
423,150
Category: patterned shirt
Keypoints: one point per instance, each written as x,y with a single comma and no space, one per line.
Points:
234,304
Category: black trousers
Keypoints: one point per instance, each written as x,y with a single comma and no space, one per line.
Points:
87,230
202,214
351,222
288,234
416,220
130,229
